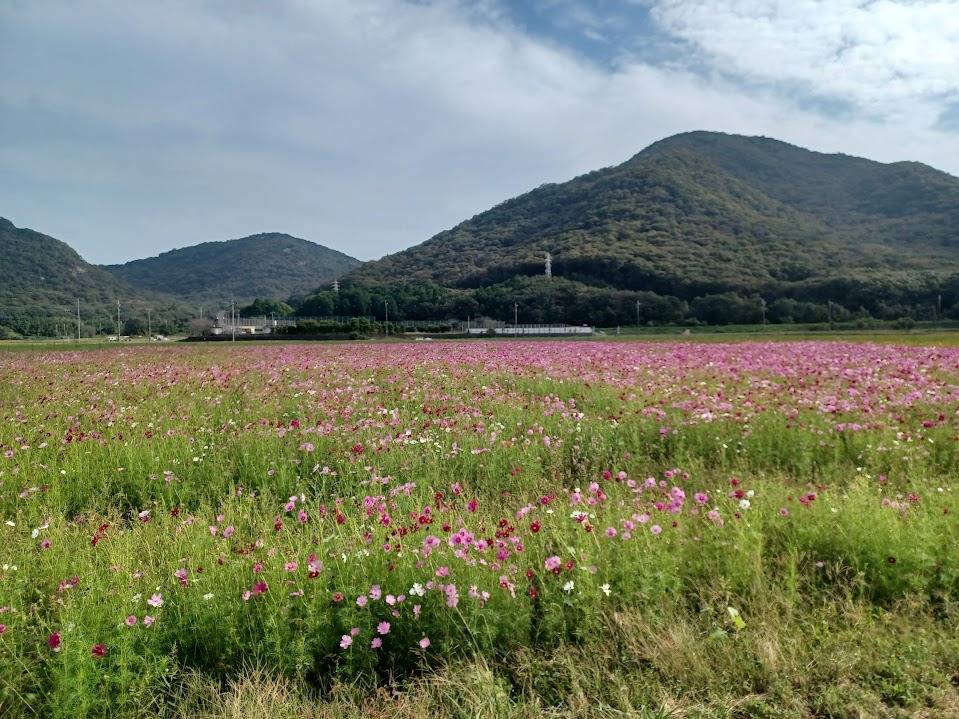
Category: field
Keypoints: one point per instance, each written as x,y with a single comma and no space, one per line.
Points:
480,529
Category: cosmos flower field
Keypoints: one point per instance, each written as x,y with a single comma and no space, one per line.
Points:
481,529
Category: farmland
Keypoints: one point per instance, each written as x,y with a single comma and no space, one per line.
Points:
480,529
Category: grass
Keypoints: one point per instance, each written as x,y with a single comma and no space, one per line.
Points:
560,529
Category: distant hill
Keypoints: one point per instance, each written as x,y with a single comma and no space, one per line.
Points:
270,265
705,213
41,279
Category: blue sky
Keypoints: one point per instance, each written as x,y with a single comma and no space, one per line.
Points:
131,127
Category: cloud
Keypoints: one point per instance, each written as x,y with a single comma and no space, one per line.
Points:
891,60
366,125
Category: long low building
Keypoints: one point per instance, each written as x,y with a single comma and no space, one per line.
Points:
533,330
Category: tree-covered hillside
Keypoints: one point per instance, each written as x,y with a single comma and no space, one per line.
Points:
270,265
700,219
41,279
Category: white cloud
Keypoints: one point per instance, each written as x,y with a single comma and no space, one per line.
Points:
891,59
368,125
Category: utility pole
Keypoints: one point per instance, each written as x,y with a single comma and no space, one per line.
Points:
386,310
515,318
149,325
233,320
78,319
637,312
118,321
762,302
830,313
939,308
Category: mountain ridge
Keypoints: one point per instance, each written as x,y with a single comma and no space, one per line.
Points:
41,278
705,213
266,265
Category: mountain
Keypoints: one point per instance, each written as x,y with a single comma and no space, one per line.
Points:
41,279
704,214
270,265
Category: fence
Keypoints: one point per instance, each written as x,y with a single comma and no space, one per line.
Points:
539,330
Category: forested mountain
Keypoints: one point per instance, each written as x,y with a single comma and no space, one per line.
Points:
41,279
740,220
270,265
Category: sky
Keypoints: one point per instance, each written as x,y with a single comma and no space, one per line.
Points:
131,127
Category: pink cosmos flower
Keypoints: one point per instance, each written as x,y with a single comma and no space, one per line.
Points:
552,563
656,529
346,641
131,620
148,620
424,642
156,600
290,566
376,643
362,600
228,532
53,641
98,651
181,576
383,628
